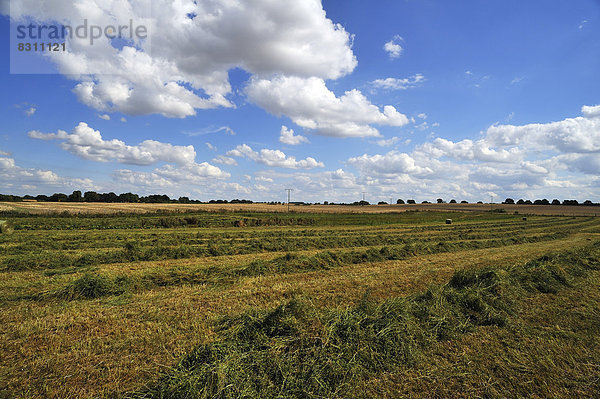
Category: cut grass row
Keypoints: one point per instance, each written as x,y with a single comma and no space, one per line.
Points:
91,286
60,240
297,350
98,249
65,221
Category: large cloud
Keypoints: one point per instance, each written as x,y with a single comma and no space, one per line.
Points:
88,143
576,135
192,45
310,104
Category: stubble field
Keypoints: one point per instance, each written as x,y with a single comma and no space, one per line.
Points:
307,305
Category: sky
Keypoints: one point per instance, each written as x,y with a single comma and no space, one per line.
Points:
223,99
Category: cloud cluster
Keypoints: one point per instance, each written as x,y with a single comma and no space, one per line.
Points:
179,169
311,105
506,160
274,158
169,176
88,143
14,177
183,64
393,162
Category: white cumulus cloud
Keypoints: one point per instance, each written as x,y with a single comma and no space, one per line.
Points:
88,143
311,105
286,136
274,158
183,64
393,47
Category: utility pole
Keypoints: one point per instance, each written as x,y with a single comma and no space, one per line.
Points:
289,192
363,194
491,203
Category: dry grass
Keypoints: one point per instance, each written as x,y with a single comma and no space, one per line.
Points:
550,350
89,348
104,347
100,208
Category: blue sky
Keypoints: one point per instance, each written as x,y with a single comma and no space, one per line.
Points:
399,99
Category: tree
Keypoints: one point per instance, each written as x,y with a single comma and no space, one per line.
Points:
75,197
555,202
129,197
509,201
440,201
411,202
59,197
570,202
464,202
520,202
588,202
453,201
382,203
183,200
91,196
400,202
109,197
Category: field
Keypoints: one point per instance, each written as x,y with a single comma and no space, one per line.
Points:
233,301
99,208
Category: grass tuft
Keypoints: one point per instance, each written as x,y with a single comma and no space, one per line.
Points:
91,286
6,227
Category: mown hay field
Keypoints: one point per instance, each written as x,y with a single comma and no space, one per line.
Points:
306,305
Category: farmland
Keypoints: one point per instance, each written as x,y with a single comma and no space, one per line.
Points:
112,208
100,301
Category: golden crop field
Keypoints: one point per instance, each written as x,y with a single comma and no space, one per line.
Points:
148,301
109,208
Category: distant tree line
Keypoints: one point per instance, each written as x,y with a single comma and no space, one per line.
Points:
546,202
92,196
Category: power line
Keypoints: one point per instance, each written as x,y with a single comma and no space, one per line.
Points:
289,193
